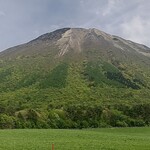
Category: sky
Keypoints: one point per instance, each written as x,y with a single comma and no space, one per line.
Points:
24,20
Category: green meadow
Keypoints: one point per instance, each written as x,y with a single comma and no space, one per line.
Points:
85,139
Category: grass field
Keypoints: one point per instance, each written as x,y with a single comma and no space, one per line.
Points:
91,139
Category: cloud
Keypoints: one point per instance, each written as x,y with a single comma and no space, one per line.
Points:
137,29
112,4
2,13
22,21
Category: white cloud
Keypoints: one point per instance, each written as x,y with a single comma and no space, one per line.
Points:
2,13
112,4
137,29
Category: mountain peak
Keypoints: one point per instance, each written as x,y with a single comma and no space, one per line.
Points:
74,38
74,41
75,69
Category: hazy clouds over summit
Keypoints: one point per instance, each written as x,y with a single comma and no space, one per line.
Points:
23,20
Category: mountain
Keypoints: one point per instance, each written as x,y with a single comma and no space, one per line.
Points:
74,78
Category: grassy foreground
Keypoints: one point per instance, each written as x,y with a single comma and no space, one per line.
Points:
91,139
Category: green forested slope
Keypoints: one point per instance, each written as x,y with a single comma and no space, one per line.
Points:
81,94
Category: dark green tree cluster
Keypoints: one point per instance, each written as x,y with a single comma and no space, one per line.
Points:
79,116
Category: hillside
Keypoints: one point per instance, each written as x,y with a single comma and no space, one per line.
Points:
75,78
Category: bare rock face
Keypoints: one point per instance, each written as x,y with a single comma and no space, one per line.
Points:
76,38
71,39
